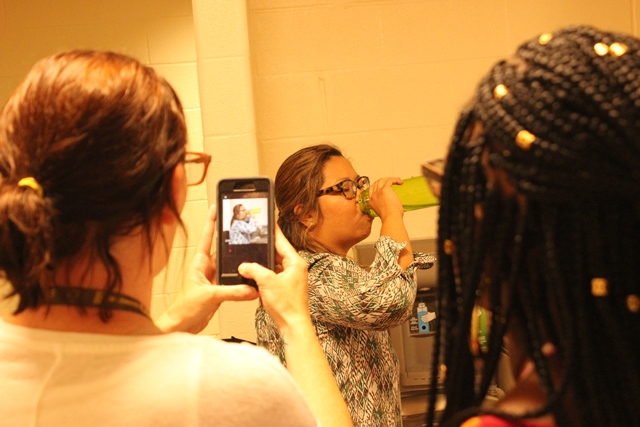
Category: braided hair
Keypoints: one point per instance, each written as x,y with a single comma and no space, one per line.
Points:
557,243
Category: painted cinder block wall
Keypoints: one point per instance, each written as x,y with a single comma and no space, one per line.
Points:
382,79
385,80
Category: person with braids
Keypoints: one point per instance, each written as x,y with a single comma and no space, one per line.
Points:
352,308
540,224
93,177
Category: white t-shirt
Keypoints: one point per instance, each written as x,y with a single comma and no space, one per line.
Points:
77,379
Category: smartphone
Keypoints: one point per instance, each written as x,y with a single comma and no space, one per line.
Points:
245,227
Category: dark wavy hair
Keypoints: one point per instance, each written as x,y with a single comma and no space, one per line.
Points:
561,122
101,133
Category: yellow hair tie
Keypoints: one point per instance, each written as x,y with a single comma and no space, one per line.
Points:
31,182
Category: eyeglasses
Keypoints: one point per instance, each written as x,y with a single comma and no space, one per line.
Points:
347,187
196,165
433,171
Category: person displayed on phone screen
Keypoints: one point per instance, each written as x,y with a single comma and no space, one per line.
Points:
242,226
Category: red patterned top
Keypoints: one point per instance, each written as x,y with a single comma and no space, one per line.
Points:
493,421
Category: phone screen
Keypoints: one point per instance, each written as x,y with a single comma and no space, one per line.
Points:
245,227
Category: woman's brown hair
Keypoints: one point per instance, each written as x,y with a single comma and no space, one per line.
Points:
297,182
101,134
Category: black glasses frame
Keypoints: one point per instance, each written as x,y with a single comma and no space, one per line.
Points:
361,183
195,157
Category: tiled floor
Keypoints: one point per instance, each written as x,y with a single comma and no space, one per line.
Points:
414,408
416,420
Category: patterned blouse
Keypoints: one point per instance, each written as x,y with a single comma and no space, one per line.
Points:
352,309
241,230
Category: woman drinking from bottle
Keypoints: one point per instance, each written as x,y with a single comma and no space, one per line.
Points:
352,307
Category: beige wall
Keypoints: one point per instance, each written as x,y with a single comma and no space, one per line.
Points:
228,119
385,80
382,79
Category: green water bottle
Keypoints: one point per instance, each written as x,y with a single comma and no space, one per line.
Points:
414,194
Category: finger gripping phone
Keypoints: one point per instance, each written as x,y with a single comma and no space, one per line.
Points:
245,227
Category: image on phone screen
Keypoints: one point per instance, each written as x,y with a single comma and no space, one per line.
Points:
244,231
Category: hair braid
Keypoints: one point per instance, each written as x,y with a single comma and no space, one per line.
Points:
450,298
495,235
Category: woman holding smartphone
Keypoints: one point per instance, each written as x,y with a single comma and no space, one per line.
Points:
93,177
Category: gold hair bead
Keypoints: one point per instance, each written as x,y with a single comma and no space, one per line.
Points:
500,91
443,371
633,303
601,49
599,287
524,139
618,49
545,38
449,247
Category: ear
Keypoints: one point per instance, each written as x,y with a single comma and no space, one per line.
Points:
178,193
307,219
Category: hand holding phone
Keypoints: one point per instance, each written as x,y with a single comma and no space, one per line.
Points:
283,293
200,298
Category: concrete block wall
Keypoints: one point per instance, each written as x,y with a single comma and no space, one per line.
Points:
385,79
228,119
